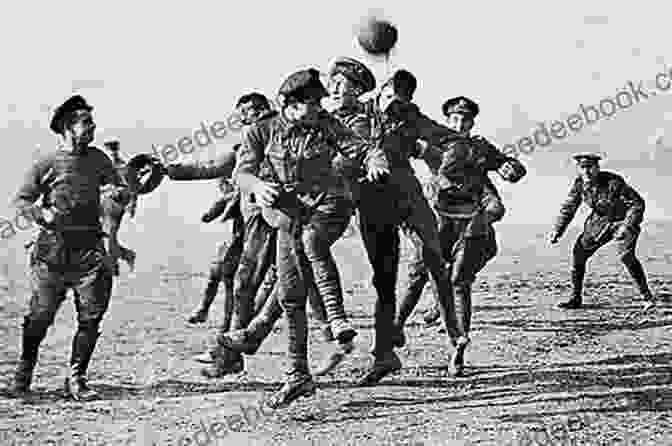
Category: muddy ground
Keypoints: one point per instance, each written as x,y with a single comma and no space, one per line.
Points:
596,376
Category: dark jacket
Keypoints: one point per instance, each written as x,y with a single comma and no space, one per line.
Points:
70,185
611,200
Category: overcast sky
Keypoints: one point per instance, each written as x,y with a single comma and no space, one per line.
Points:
170,65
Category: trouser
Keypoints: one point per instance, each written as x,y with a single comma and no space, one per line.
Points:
586,246
383,208
258,253
223,269
57,265
303,257
467,254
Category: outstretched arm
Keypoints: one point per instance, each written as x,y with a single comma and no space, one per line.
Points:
568,210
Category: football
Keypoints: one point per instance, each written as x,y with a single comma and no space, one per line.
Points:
377,37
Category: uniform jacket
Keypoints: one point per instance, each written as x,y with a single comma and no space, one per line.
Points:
70,185
302,157
610,198
398,128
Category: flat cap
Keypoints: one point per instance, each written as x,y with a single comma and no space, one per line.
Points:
355,71
462,105
63,111
302,85
587,158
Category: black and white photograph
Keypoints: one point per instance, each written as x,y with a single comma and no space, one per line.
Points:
336,223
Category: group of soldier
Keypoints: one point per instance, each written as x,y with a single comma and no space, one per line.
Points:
291,186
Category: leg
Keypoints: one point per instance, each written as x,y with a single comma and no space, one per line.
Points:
222,269
293,296
255,261
317,239
581,252
381,240
626,250
415,284
423,222
48,292
93,289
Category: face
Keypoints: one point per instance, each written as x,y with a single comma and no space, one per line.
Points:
387,96
459,123
342,91
249,114
307,111
82,129
588,172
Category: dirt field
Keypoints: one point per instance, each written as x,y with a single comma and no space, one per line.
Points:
597,376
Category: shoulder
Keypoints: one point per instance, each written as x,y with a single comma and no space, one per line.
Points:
609,176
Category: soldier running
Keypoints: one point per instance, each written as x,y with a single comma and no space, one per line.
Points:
467,204
69,252
286,162
617,213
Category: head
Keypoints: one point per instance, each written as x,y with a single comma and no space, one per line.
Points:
73,120
588,169
251,107
112,145
460,113
348,80
300,96
305,110
400,87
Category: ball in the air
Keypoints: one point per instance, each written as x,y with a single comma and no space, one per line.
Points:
377,36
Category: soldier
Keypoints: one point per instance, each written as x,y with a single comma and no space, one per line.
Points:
397,125
69,252
617,213
286,163
348,80
467,204
250,107
115,202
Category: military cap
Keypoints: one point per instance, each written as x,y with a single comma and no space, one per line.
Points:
112,143
462,105
302,85
63,111
587,158
354,70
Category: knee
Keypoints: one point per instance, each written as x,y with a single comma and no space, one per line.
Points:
90,321
38,319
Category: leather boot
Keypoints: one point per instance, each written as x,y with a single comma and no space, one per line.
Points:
200,314
83,346
577,284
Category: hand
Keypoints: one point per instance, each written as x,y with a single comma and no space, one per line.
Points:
377,174
266,193
32,213
553,238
